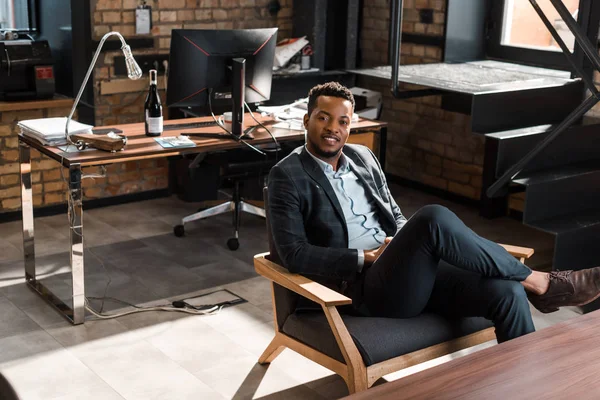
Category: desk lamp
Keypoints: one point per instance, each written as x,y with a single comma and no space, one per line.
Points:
133,72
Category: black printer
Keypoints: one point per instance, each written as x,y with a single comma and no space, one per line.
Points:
26,70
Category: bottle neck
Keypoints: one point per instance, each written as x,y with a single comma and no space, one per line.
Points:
153,79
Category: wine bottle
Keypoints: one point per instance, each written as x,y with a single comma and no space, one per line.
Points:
153,109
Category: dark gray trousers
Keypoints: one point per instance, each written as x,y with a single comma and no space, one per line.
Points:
435,263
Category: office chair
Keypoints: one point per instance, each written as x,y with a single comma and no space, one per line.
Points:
359,349
236,167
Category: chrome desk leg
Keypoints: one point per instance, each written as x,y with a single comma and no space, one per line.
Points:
76,226
76,312
27,212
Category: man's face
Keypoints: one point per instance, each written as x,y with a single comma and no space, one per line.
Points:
328,126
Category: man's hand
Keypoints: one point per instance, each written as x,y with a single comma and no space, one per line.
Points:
372,255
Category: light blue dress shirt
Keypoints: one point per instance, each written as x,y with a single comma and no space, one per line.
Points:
360,210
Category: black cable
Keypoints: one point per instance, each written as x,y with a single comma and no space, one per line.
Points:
266,129
227,130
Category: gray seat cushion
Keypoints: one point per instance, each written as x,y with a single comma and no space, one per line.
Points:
380,339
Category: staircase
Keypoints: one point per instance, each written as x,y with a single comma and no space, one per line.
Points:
562,188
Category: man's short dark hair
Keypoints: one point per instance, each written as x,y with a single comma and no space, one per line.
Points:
333,89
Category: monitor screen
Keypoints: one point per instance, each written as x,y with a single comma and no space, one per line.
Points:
201,60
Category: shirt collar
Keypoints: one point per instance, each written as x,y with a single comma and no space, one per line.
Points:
326,167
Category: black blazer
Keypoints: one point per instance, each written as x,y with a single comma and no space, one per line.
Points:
307,223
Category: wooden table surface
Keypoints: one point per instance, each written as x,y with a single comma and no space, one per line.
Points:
559,362
140,146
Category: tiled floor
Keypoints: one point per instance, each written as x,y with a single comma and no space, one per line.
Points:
160,355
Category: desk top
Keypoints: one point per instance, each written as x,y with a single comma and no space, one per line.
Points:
561,362
139,146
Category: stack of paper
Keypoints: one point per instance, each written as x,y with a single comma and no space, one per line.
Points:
51,131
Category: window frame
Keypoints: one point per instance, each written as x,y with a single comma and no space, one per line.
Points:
537,57
32,20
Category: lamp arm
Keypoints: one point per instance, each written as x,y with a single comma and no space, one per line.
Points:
87,77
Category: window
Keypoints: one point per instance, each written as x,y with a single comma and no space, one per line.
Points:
17,14
517,33
522,26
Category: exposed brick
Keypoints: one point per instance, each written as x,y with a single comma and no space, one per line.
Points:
202,15
14,191
185,15
168,15
11,204
457,176
44,164
434,181
108,4
6,130
9,180
463,190
130,4
9,169
128,17
110,17
93,193
209,3
169,4
125,30
463,167
230,3
165,29
53,175
54,198
11,143
9,155
225,25
101,30
220,15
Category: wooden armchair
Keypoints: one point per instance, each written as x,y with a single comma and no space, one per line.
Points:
361,350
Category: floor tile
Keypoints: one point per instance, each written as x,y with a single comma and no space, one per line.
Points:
13,321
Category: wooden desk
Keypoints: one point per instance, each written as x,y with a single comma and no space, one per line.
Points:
138,147
561,362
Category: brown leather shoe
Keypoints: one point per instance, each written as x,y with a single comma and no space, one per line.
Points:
568,288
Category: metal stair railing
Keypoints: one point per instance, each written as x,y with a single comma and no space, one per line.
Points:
500,187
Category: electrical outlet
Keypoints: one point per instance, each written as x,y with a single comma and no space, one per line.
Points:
146,63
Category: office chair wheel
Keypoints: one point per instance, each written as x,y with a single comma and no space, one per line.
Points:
233,244
179,230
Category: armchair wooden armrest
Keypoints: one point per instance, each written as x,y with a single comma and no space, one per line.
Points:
520,252
299,284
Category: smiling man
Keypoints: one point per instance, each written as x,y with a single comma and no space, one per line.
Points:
333,219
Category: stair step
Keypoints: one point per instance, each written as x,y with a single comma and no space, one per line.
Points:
569,222
558,173
576,144
559,191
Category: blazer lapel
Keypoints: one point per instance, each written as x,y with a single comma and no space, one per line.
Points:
362,172
316,173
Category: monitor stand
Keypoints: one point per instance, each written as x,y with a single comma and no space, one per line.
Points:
237,111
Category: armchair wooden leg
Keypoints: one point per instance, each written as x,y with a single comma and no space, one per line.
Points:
357,384
272,351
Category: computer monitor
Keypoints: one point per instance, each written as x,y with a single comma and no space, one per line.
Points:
221,62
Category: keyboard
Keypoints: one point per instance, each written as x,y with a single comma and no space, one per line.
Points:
189,125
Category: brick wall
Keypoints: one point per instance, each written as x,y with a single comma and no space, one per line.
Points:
47,185
425,143
120,100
